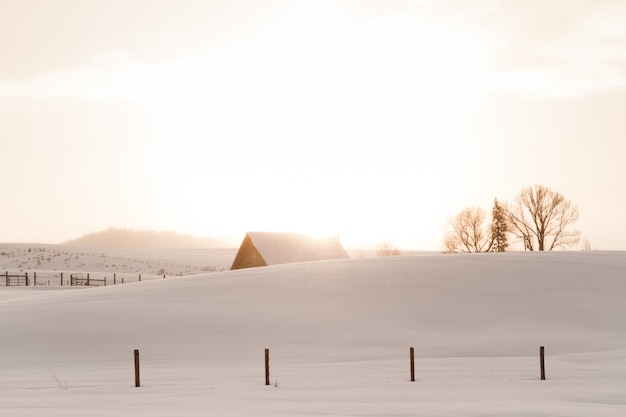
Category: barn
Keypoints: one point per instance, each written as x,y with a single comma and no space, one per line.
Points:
268,248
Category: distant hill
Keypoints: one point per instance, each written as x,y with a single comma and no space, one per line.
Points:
137,239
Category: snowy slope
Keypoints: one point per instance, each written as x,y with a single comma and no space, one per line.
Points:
334,318
49,260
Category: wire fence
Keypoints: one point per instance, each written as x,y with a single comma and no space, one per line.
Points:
12,278
264,369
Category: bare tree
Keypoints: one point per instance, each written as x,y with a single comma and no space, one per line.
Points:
467,232
540,218
387,248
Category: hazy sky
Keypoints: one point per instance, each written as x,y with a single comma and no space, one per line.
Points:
370,119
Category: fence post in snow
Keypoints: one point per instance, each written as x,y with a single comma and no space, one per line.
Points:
139,277
542,363
412,357
35,278
267,366
137,382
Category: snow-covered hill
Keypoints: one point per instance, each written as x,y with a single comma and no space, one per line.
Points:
49,260
339,333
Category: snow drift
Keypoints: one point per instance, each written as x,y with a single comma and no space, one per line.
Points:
339,333
462,305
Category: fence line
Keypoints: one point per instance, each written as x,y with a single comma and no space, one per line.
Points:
17,279
59,278
238,365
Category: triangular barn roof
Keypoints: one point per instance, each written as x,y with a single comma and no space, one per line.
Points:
267,248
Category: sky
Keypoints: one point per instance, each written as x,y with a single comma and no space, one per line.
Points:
374,120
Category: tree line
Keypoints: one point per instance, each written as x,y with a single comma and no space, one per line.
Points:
539,218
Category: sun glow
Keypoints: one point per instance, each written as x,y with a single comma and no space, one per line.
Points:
309,132
315,129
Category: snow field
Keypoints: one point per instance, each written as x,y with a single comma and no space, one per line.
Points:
339,334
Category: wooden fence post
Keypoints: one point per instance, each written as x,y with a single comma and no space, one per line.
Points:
412,358
61,278
35,278
114,279
542,363
25,278
137,382
139,277
87,279
6,274
267,366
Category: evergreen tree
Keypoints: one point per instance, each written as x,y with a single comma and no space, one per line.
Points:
499,228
